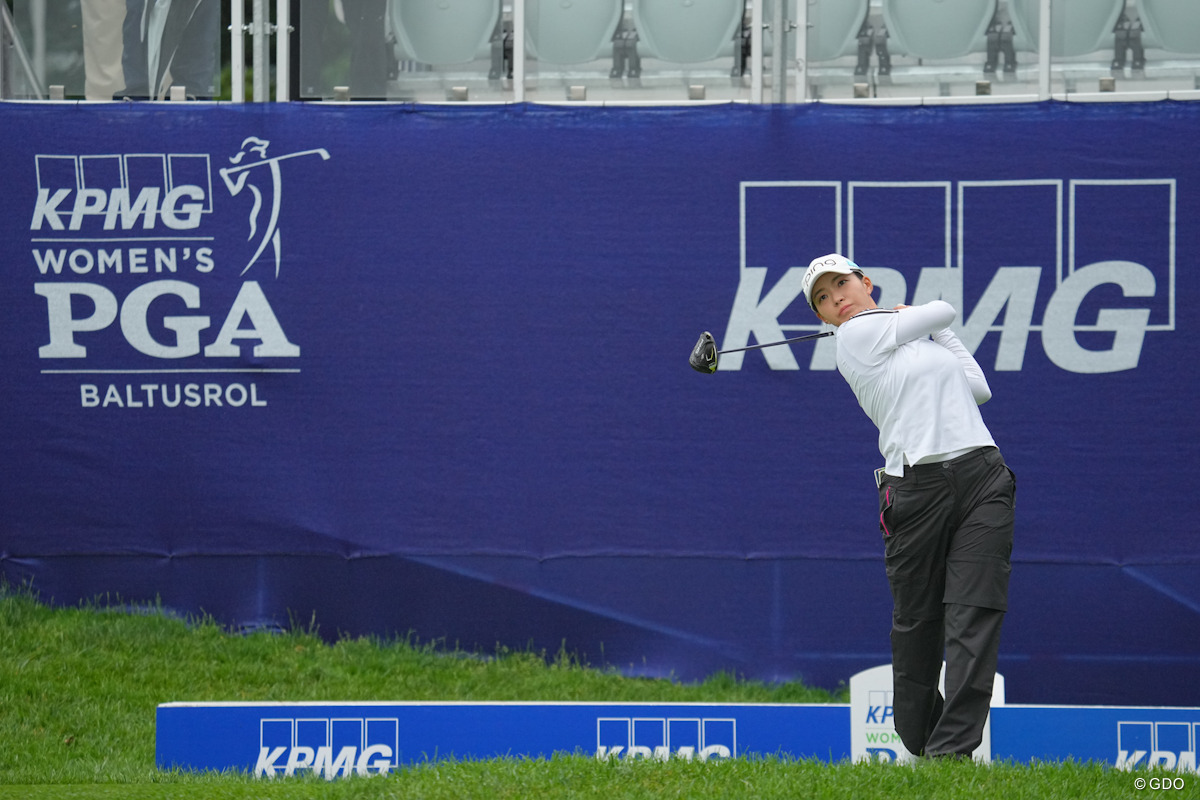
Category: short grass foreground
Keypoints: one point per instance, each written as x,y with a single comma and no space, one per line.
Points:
79,687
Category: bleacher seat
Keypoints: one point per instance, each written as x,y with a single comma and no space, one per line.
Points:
443,32
937,28
687,31
1173,24
1077,27
833,27
570,31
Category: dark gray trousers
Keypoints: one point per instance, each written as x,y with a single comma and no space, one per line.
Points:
948,532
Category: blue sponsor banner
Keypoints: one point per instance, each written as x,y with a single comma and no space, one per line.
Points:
341,739
281,361
1127,737
345,739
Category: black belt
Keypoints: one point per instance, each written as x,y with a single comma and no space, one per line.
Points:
966,458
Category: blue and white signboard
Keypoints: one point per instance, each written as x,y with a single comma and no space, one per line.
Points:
411,369
342,739
353,739
873,727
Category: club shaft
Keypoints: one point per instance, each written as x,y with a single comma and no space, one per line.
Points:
772,344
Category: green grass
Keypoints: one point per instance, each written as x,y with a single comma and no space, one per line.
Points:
79,687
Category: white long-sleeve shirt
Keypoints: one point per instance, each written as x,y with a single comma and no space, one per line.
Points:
923,394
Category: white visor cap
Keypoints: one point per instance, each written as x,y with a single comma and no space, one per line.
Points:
822,265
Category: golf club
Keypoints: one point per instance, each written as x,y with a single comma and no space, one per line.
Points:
705,355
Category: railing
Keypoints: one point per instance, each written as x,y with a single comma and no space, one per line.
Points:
601,51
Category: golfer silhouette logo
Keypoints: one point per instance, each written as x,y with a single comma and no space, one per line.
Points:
246,174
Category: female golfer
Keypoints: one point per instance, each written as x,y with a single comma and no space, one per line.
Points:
945,502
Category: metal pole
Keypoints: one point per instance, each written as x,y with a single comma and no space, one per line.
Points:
1044,50
518,51
258,55
802,30
5,47
283,51
237,51
37,19
756,52
11,45
778,55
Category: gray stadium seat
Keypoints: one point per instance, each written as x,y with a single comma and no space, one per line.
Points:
1077,27
936,28
440,32
570,31
687,31
1173,24
833,27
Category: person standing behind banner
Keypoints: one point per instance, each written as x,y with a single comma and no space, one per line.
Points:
371,58
102,48
946,502
187,50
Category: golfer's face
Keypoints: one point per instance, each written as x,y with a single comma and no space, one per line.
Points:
837,297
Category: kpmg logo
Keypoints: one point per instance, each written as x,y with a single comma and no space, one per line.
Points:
663,738
1016,258
327,747
879,728
1165,745
121,192
126,242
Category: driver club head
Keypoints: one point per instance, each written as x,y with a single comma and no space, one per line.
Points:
704,355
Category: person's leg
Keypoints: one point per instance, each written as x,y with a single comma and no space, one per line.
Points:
917,705
194,65
369,59
314,15
914,519
102,24
972,648
977,572
133,52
